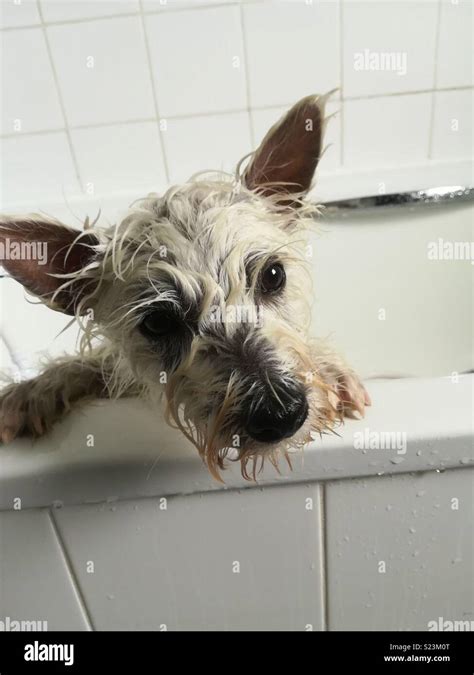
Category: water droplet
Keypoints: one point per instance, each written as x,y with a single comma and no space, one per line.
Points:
421,493
397,460
465,460
419,453
415,554
111,597
58,504
389,507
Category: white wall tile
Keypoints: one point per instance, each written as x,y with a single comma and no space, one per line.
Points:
386,131
35,581
454,62
292,50
14,14
29,95
213,142
117,88
407,522
37,169
59,10
263,120
176,568
194,57
407,29
452,131
120,157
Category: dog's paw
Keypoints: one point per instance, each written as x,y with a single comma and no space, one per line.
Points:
21,414
348,395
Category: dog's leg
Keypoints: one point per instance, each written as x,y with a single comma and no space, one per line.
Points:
32,407
347,393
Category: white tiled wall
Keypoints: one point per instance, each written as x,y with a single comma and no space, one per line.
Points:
398,27
141,93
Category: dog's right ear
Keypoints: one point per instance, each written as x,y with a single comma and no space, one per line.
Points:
285,162
39,253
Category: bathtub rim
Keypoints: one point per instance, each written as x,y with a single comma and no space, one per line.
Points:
435,413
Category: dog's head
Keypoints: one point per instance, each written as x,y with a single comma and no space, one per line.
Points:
203,294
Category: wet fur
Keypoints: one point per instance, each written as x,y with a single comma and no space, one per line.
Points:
200,246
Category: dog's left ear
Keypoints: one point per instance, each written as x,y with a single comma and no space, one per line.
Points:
288,156
34,250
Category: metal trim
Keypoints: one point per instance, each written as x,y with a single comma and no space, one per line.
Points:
437,195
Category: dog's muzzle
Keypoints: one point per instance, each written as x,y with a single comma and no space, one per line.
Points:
276,417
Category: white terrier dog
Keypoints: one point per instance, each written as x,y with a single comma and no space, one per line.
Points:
201,295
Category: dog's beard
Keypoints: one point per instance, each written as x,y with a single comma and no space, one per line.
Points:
218,437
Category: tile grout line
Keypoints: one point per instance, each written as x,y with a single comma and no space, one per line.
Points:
219,113
435,79
154,92
324,554
246,74
60,99
124,15
404,93
67,22
72,574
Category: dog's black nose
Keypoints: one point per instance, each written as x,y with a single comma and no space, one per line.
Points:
273,419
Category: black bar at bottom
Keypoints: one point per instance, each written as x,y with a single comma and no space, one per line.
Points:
152,652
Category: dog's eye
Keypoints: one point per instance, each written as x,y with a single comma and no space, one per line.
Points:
273,278
158,324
